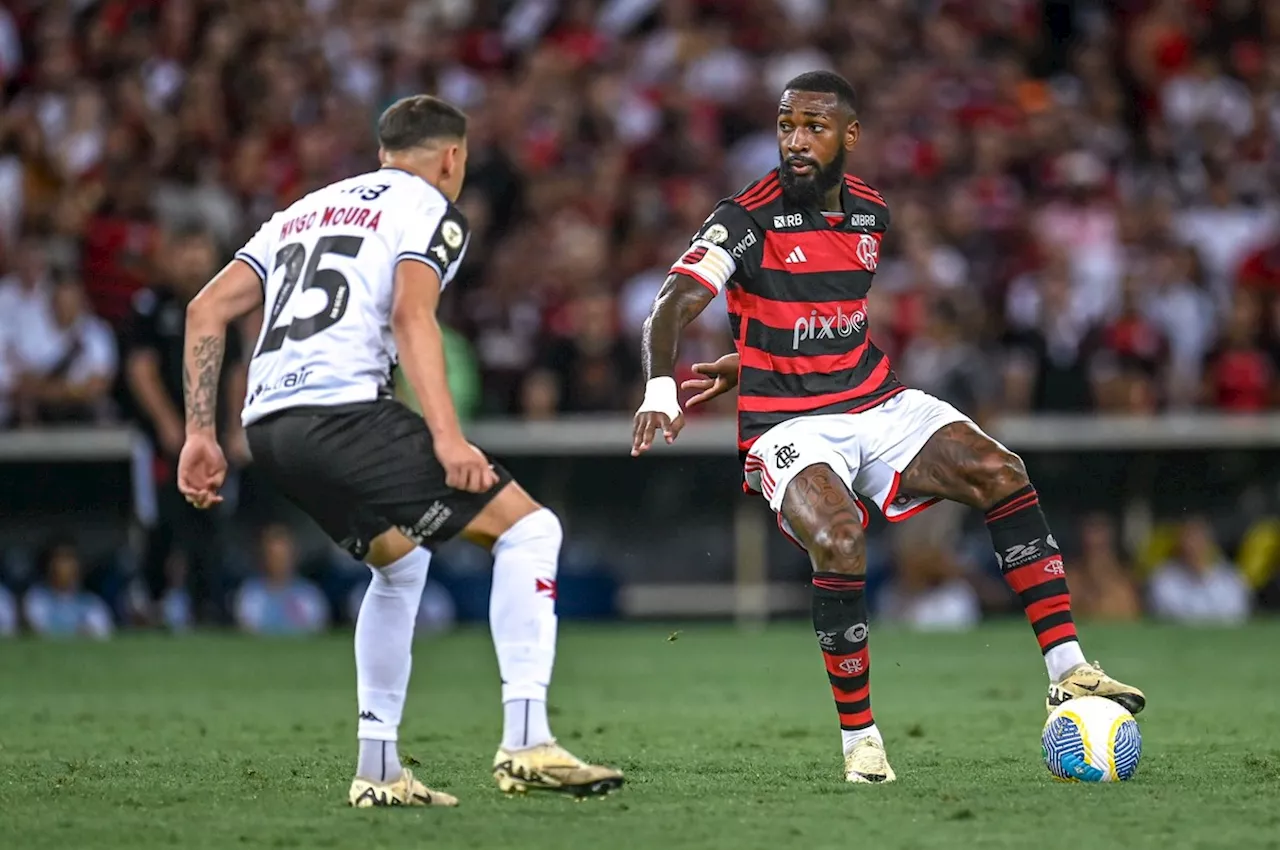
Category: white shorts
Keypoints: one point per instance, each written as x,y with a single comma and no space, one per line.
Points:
868,450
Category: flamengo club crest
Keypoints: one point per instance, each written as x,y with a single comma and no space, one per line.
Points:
868,251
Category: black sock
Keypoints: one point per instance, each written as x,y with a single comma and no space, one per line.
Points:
840,620
1032,566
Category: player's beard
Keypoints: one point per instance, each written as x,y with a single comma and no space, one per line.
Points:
809,190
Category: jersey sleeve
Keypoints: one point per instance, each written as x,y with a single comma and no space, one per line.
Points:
257,251
722,247
436,234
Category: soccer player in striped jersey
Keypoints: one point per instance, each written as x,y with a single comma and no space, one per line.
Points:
823,420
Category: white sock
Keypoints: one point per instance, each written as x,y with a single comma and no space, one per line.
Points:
522,619
524,724
384,642
378,761
849,737
1059,660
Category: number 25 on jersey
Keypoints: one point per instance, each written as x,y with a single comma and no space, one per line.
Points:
302,274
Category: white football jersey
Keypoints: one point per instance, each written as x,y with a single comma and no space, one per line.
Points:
328,265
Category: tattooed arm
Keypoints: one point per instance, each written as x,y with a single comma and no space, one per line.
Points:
235,290
725,248
201,367
679,302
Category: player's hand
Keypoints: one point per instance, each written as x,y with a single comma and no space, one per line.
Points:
719,377
648,423
202,469
465,466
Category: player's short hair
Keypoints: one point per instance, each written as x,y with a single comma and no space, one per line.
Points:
826,82
418,120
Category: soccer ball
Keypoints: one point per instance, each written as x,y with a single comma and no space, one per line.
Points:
1091,739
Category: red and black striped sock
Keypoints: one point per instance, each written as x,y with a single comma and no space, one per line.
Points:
840,619
1032,565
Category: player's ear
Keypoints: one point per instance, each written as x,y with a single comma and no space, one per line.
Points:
451,162
852,134
453,165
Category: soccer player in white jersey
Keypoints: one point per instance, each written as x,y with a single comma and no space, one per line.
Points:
350,277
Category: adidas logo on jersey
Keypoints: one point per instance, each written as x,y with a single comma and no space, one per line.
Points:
797,256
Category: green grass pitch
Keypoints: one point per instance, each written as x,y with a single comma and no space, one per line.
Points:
728,739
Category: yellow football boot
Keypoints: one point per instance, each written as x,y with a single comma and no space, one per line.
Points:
550,767
866,762
1088,680
405,791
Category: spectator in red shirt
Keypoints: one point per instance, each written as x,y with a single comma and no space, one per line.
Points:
119,244
1131,354
1261,269
1240,374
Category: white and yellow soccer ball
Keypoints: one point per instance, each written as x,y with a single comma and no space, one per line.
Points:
1091,739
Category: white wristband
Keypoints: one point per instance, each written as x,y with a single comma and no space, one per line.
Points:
660,397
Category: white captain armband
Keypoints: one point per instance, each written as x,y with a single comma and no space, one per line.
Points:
708,264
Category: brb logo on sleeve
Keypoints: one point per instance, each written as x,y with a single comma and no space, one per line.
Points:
827,327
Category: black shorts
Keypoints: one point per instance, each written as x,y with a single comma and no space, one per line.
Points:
361,469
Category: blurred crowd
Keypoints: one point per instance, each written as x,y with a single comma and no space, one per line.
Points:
1084,193
1181,572
282,591
1085,200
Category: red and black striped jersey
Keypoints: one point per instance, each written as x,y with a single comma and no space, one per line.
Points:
796,282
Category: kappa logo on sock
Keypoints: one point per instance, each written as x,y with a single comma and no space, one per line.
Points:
545,587
370,716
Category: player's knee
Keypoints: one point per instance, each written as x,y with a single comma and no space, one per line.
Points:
840,549
539,531
543,525
995,474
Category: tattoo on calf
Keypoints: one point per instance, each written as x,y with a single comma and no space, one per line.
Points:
825,517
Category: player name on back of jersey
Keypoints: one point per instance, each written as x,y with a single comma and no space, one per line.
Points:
328,266
332,217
